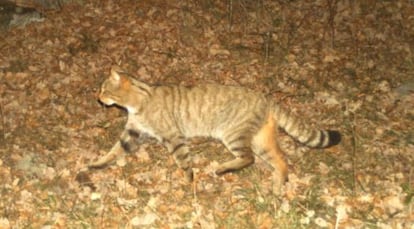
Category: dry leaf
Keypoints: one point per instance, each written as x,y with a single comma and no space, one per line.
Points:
216,50
143,220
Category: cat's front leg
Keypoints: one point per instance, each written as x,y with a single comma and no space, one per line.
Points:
128,142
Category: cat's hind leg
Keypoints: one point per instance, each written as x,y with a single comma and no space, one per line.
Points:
266,147
239,145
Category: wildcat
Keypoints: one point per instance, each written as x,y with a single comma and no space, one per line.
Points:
245,121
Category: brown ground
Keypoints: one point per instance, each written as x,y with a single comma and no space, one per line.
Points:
341,64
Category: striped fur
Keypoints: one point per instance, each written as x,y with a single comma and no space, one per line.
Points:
245,121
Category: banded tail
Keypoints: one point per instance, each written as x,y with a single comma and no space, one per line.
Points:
301,132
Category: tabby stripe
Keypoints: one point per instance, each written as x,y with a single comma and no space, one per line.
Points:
184,111
125,146
182,156
317,139
238,139
241,149
133,133
322,139
177,147
257,117
178,100
199,107
173,104
253,123
311,138
144,90
291,124
179,116
168,100
234,134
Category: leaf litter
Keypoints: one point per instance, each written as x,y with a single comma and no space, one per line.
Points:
344,65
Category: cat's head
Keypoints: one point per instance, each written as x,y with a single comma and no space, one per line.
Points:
122,90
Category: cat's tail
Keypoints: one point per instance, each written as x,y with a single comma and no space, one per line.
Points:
300,131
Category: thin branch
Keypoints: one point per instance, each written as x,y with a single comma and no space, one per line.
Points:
3,123
332,4
230,10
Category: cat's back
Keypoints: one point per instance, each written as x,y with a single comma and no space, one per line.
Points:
208,109
208,97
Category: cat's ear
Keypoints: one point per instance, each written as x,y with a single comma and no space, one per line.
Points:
114,74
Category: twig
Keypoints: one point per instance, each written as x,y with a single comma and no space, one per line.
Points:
332,4
268,38
354,159
230,9
3,123
353,139
259,8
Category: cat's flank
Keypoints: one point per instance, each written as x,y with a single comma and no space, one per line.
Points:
245,122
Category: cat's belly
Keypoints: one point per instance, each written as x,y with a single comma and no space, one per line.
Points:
134,124
202,131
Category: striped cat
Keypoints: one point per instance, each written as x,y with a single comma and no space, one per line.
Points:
245,121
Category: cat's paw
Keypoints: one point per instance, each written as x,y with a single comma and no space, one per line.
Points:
221,170
96,165
103,161
278,180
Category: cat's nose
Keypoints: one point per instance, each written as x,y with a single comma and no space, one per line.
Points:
95,92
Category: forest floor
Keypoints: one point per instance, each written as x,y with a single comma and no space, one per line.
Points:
345,65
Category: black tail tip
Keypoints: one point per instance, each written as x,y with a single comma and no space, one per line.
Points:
334,137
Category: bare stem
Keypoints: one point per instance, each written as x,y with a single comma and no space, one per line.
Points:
3,123
332,4
230,9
